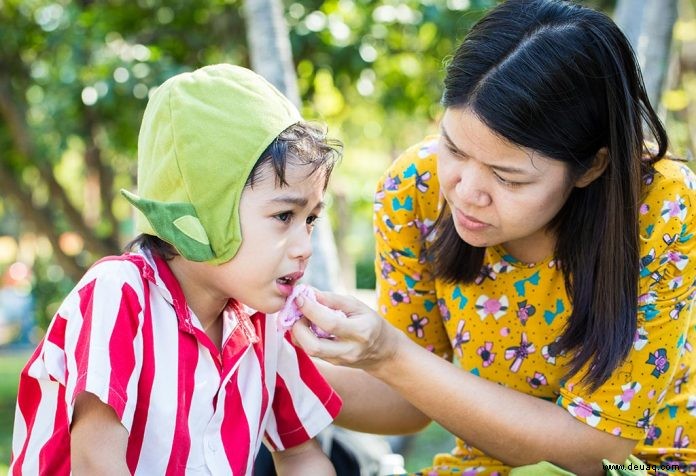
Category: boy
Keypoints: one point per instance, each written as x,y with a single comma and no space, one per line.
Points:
154,364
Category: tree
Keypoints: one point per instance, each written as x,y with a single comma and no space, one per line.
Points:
648,26
271,56
75,77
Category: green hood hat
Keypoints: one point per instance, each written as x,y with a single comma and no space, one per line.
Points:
201,135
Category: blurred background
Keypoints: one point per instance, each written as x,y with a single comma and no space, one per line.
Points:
75,77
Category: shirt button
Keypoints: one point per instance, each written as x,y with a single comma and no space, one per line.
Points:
212,446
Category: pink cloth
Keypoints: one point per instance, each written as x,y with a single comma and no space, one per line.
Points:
291,313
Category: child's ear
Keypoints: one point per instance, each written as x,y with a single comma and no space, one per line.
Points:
599,165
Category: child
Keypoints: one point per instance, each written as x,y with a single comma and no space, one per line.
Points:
154,363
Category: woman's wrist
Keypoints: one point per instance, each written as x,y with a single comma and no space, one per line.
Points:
392,343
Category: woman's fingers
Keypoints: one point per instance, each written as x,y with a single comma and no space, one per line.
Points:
323,316
362,339
305,338
333,351
348,304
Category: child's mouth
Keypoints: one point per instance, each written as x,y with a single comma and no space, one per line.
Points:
286,283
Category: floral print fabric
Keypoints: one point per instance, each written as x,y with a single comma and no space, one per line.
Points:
504,326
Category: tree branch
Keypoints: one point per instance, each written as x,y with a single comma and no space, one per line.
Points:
104,174
14,118
40,217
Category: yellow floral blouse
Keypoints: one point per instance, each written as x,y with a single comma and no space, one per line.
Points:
504,326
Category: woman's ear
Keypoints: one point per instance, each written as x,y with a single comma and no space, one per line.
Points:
599,165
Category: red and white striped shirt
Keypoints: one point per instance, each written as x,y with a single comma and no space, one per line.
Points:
126,334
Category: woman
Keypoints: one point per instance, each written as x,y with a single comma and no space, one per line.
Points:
541,244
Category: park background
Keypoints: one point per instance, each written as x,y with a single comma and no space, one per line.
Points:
75,77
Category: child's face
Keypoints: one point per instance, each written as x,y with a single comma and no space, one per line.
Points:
276,228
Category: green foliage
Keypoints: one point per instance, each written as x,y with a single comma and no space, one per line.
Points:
75,76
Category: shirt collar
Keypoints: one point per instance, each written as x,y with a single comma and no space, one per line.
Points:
168,286
160,274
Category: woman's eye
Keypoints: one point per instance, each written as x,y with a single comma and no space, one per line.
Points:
311,220
452,150
507,183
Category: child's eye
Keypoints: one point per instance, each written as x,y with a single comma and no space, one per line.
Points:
311,220
285,217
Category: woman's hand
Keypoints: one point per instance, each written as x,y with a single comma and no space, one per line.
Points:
362,340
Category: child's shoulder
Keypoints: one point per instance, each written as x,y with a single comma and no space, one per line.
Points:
117,270
108,285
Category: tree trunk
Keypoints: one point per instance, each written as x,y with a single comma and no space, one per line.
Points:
648,26
271,57
658,23
629,16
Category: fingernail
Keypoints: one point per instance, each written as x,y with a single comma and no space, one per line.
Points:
299,300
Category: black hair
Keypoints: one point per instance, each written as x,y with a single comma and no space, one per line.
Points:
302,143
562,80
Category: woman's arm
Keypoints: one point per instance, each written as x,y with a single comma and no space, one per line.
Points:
369,404
98,440
516,428
303,459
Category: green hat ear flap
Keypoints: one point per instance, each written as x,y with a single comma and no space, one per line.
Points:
177,224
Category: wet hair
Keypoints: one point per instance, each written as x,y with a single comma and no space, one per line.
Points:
562,80
302,143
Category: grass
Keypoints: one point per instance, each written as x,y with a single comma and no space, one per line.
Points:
421,449
11,363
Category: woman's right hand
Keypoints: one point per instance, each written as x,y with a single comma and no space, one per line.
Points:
362,340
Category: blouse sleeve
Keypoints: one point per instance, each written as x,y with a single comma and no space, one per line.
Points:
405,209
627,403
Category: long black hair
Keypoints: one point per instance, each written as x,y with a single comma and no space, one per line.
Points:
562,80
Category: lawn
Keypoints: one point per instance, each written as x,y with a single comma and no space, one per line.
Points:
418,452
11,363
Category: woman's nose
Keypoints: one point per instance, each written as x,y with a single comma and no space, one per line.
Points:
471,189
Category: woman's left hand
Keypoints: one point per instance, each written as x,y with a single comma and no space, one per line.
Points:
362,340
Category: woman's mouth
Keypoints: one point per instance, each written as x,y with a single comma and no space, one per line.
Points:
470,223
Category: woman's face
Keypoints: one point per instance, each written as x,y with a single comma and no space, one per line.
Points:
498,192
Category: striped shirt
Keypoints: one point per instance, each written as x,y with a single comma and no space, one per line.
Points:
126,335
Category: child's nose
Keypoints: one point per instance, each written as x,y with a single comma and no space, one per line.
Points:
301,247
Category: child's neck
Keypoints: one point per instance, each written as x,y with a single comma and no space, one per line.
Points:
201,300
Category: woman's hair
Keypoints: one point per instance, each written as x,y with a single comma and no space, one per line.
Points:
563,80
302,143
